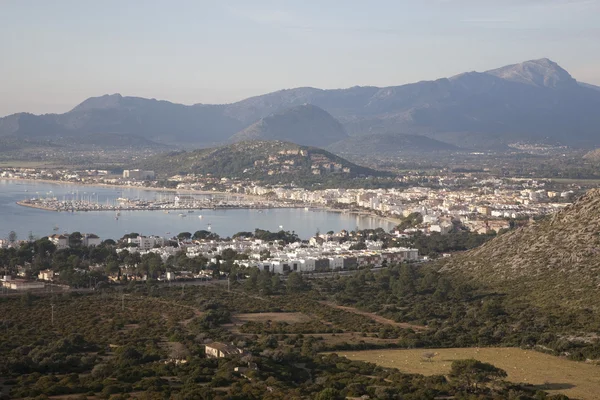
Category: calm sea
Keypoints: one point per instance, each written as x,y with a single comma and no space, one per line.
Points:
224,222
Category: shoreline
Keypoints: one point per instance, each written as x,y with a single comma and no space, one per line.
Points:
390,220
151,189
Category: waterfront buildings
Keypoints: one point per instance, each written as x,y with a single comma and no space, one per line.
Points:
138,174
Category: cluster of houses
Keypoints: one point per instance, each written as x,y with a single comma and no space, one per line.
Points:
482,207
316,261
61,241
319,255
322,253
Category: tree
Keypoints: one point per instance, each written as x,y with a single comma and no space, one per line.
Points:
295,283
229,254
112,267
44,247
271,195
205,235
184,236
75,239
251,282
410,221
359,246
243,235
472,372
276,283
264,282
264,255
12,236
330,394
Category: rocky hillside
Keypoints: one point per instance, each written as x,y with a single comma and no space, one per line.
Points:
555,261
593,156
306,125
272,161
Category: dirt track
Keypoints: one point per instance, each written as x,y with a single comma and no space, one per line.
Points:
375,317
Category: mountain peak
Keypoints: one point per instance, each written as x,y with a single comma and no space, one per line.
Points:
542,72
101,102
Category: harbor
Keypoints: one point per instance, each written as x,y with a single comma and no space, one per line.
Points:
226,214
167,204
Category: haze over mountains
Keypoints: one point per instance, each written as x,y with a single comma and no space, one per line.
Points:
306,125
535,101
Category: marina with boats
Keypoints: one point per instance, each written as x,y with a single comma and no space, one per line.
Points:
187,203
226,213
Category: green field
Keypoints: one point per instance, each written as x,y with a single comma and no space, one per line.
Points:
546,372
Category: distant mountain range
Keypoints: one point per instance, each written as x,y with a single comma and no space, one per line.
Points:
535,101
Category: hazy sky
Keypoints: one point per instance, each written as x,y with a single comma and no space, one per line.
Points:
56,53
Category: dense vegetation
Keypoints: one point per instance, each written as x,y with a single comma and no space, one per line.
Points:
109,344
459,314
132,338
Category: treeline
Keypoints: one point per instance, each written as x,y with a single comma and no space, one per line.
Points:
458,313
117,351
434,244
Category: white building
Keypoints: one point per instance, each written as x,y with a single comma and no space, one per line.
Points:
60,241
221,350
23,285
46,275
91,240
336,263
138,174
146,242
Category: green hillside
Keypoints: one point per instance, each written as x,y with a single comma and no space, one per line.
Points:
270,161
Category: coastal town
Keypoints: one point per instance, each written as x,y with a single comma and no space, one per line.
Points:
446,205
478,204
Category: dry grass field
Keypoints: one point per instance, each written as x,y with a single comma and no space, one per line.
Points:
289,317
353,338
553,374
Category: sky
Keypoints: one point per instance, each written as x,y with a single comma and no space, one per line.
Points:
55,54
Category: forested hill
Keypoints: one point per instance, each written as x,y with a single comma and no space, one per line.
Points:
555,261
260,160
